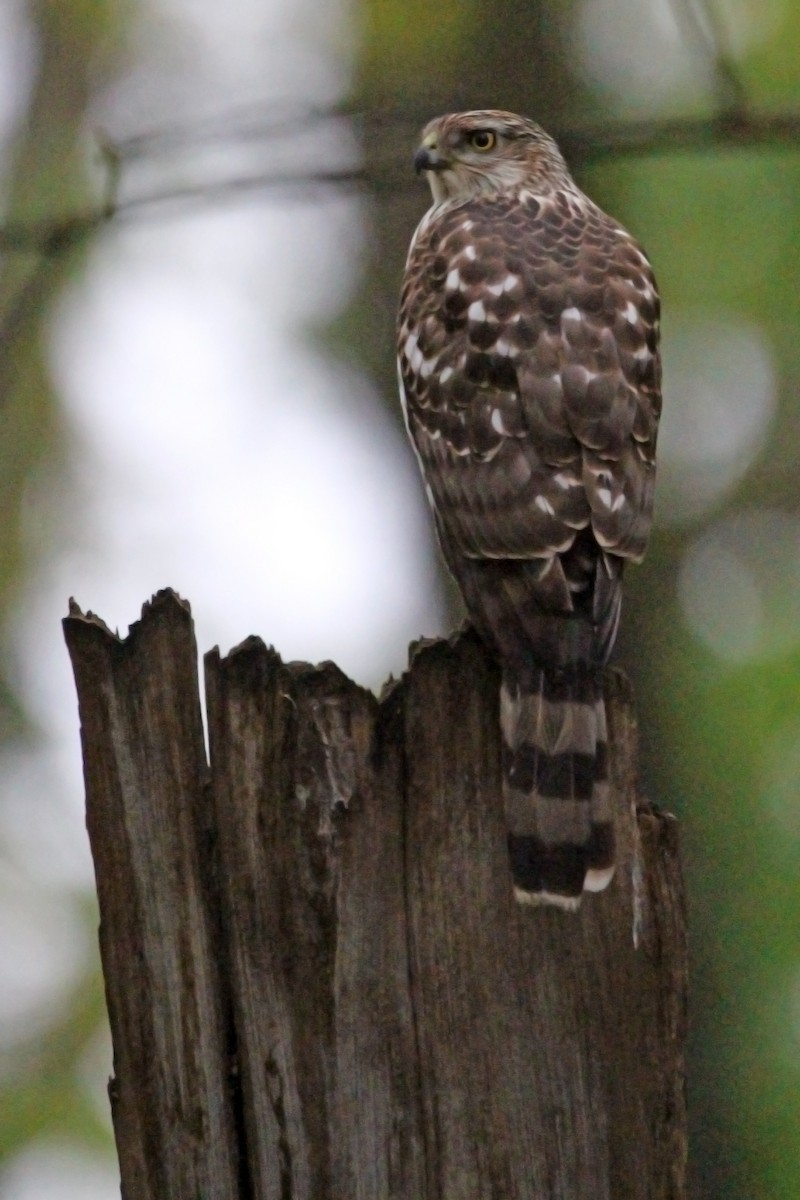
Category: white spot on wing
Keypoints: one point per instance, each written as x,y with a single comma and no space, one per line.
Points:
497,421
403,401
618,503
604,496
445,375
643,286
505,285
600,471
505,348
631,312
572,314
469,251
412,353
476,311
544,505
487,455
453,281
565,481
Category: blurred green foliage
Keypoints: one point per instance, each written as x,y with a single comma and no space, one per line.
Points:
724,232
47,179
40,1090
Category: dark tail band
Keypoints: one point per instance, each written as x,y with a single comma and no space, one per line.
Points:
560,832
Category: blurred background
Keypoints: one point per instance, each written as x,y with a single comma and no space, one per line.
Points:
199,392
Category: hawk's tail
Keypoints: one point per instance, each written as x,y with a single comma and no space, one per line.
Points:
556,790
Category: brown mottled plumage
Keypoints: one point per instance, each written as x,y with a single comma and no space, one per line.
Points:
530,375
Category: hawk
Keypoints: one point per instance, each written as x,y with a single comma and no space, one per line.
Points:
530,377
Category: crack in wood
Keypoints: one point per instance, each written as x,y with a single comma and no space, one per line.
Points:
274,1082
319,985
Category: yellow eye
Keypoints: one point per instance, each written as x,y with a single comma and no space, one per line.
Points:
483,140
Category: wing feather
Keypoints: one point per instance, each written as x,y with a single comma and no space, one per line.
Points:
531,372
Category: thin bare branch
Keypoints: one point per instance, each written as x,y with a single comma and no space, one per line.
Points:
584,148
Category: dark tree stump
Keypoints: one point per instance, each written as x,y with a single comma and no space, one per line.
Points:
319,984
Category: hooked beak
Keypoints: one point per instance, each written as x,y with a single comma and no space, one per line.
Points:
428,158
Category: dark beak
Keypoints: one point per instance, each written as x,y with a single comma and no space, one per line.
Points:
429,160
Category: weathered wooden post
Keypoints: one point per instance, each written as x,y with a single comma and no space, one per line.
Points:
319,985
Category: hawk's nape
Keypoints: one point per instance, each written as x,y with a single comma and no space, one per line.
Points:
530,375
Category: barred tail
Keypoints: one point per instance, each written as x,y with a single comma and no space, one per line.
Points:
556,790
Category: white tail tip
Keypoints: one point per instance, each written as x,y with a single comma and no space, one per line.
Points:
539,899
596,881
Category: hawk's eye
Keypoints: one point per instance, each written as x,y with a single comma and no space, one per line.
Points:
483,139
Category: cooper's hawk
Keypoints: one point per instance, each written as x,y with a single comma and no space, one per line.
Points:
530,376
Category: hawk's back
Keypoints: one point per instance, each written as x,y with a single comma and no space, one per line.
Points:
528,355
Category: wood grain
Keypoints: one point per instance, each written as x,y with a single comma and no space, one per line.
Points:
320,986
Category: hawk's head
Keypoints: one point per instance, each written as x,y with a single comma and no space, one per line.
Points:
475,153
